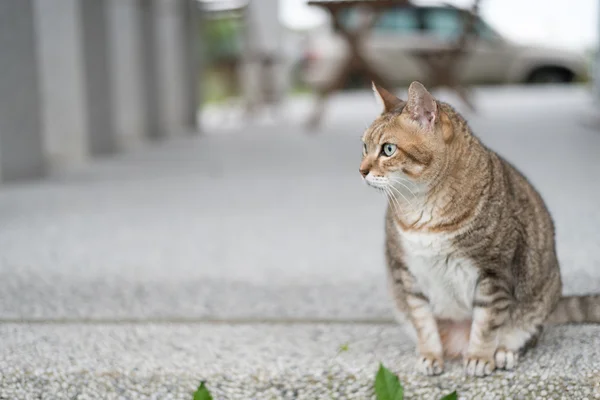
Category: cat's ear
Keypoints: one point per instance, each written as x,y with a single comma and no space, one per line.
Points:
386,100
421,106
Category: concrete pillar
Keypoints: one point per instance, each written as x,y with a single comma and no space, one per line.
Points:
170,61
98,89
171,52
150,75
264,19
128,72
264,38
597,63
21,146
192,63
62,82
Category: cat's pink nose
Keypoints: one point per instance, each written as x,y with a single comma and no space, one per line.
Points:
364,171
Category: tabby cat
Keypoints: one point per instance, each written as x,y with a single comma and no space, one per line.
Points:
470,243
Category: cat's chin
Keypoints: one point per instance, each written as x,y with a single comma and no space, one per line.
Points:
377,182
376,185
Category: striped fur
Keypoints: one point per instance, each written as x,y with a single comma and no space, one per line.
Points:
470,243
576,309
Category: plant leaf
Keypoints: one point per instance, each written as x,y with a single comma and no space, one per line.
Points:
202,393
399,393
387,385
451,396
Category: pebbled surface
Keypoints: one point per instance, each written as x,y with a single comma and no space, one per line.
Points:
270,362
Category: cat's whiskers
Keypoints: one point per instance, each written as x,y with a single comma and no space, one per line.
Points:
401,194
380,190
411,205
386,193
403,183
412,208
393,201
404,180
396,204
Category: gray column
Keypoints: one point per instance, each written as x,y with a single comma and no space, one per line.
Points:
21,147
172,78
127,70
264,39
94,22
150,76
192,63
597,64
62,84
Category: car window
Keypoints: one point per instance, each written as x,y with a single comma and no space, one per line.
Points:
446,24
400,20
485,32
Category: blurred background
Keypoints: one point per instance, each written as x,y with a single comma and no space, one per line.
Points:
510,47
180,197
106,75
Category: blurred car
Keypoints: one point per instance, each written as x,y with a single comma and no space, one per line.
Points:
387,47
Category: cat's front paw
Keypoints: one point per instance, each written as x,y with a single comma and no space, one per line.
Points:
476,365
430,365
506,359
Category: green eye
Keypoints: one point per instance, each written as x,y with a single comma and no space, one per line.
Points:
365,148
389,149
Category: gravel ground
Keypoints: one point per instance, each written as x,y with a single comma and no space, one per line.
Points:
268,361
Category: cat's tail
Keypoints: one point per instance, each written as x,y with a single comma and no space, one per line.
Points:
576,309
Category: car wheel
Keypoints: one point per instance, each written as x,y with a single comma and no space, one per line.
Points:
550,75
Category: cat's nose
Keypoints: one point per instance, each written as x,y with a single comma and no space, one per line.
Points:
364,171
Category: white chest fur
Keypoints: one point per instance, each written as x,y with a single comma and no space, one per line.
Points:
447,279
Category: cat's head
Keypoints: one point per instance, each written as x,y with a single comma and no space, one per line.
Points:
407,145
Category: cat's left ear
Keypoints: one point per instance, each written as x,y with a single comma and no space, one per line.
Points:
387,100
421,106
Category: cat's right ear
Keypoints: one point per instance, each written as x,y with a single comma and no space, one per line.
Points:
386,100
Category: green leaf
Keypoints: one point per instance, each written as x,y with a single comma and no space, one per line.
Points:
343,348
387,385
400,394
202,393
451,396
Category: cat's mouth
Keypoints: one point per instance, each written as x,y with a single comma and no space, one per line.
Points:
377,182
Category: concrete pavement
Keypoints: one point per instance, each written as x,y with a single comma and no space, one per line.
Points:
111,275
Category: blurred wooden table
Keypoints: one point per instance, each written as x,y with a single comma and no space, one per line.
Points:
441,64
442,68
355,62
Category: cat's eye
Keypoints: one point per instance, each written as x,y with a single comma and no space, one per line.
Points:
365,149
389,149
